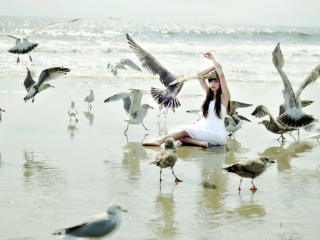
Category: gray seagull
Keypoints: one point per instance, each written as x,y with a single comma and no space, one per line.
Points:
293,115
249,168
168,95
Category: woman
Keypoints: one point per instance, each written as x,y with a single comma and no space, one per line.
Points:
210,130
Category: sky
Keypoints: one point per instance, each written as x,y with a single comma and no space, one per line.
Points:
262,12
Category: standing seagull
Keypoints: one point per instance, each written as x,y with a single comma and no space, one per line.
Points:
73,111
249,168
167,157
46,75
103,225
89,99
168,95
23,45
1,110
293,117
132,105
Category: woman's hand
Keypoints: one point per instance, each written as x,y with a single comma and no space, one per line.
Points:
208,55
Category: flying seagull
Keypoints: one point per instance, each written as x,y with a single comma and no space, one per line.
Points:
128,62
167,157
23,45
103,225
89,99
73,111
112,69
293,116
272,125
132,105
168,95
249,168
34,88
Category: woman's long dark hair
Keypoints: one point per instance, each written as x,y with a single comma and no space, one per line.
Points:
210,97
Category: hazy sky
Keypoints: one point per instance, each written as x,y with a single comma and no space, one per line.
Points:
266,12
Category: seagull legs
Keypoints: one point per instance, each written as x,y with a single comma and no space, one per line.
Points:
282,138
30,57
177,179
18,59
160,174
144,126
240,185
126,129
253,186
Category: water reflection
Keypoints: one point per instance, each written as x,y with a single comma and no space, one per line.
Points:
283,155
164,223
163,130
233,148
72,129
39,175
250,209
89,116
133,152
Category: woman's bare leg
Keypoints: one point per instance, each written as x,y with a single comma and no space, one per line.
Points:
192,141
176,135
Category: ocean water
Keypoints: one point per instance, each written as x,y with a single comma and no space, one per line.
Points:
87,46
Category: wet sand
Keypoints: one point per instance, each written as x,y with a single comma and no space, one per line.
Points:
55,173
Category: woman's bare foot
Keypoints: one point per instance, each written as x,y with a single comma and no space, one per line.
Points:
152,143
204,144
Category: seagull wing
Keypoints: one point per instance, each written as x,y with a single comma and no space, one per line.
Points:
311,78
151,63
262,111
125,96
28,82
51,73
10,35
49,25
128,62
135,96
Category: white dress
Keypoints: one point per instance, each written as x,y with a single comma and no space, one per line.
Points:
210,129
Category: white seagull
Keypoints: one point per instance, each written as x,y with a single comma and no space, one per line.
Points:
112,69
103,225
128,62
293,117
34,88
132,105
89,99
73,111
23,45
168,95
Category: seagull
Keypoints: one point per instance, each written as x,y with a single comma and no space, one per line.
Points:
234,123
235,105
272,125
168,95
89,99
314,130
128,62
293,116
1,110
112,69
34,88
196,111
132,105
102,225
73,111
167,157
23,45
249,168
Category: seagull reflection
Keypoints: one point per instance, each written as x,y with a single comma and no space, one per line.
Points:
283,155
133,152
162,128
233,148
72,129
249,209
164,222
89,116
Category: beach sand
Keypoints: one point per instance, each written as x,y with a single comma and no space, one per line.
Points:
55,173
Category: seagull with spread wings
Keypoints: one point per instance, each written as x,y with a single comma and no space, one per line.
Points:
132,105
168,95
293,115
34,88
23,45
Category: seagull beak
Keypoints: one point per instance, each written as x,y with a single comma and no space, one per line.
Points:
272,161
123,210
